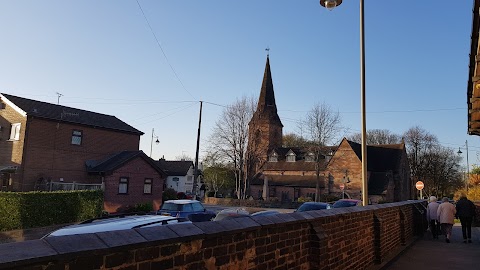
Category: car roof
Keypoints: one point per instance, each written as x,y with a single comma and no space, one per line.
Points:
113,224
348,200
181,201
319,203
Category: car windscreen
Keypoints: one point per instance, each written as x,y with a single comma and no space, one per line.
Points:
310,207
171,207
340,204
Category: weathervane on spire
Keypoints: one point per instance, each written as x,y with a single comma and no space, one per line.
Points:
268,51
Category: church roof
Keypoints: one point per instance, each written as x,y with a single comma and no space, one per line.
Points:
266,106
382,157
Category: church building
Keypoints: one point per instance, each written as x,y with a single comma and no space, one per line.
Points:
292,173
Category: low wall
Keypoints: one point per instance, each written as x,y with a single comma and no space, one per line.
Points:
344,238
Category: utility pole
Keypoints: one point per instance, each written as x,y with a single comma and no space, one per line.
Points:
195,170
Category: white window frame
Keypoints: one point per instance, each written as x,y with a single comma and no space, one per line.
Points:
291,157
78,134
147,186
15,132
123,185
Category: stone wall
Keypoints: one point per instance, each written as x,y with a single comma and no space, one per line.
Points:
344,238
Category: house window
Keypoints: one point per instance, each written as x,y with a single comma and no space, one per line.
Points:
77,137
272,158
147,186
291,158
189,179
123,185
15,132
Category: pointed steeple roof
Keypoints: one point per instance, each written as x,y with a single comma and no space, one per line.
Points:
266,107
267,96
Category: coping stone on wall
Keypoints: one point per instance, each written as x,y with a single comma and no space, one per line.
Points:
305,215
289,218
121,238
263,221
25,251
186,230
76,243
248,223
231,225
158,233
211,227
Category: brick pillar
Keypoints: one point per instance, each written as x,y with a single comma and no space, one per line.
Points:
377,240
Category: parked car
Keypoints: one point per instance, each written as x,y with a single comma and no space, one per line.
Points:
231,213
115,223
190,209
347,203
310,206
265,213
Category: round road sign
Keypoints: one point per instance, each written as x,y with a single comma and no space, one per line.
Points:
342,186
419,185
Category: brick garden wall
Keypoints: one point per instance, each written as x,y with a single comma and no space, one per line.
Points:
344,238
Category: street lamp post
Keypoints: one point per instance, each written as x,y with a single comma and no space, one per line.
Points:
330,5
151,142
468,165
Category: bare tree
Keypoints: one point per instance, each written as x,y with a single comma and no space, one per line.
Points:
294,140
437,166
184,156
323,127
377,136
229,139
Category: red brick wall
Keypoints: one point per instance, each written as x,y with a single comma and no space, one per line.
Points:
11,152
346,159
354,238
49,152
136,171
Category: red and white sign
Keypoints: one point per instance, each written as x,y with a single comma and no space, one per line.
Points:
342,186
419,185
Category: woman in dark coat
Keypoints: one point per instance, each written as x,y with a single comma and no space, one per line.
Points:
466,213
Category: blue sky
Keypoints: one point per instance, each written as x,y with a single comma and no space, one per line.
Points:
103,57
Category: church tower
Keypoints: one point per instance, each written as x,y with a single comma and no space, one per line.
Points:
265,127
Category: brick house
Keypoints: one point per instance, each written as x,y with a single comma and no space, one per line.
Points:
473,86
290,173
130,178
41,142
179,174
388,172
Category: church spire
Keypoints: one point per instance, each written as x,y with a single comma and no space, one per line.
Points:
266,100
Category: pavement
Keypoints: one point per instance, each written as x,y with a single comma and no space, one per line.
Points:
430,254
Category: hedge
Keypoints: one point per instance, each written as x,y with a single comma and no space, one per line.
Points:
23,210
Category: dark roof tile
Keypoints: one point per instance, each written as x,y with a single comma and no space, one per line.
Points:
55,112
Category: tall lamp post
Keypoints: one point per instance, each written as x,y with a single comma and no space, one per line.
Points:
330,5
151,142
468,165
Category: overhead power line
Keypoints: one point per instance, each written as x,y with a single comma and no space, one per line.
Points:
163,52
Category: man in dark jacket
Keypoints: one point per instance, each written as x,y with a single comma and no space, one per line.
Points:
466,213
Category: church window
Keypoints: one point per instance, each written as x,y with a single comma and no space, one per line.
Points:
310,157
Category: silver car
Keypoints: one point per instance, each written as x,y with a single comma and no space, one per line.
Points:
116,224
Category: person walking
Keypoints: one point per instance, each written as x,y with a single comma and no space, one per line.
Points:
446,215
432,217
466,213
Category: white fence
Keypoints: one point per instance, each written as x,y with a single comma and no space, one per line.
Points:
74,186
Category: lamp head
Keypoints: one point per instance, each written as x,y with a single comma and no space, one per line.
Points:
459,151
157,141
330,4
